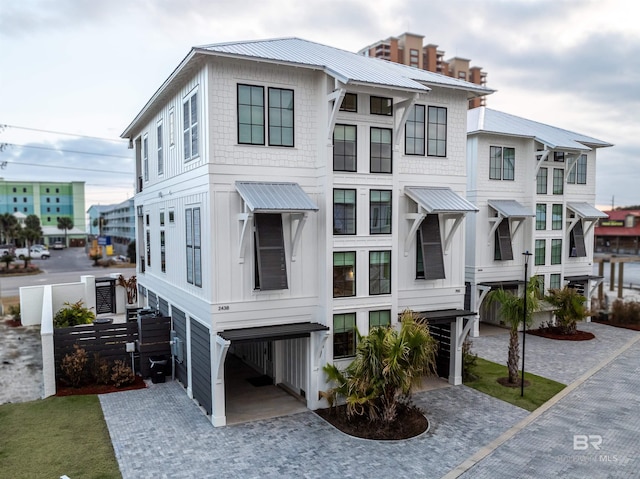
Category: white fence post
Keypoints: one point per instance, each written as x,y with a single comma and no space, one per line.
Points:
46,335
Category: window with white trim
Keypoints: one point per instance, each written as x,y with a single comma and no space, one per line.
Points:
190,133
541,216
344,274
193,246
379,319
541,181
380,160
540,252
159,143
145,157
556,217
344,335
250,114
578,174
379,272
414,131
501,163
437,131
344,212
345,148
379,212
280,117
556,251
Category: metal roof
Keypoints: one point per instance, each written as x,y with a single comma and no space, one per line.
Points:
585,210
269,196
438,199
492,121
510,208
444,316
581,278
271,333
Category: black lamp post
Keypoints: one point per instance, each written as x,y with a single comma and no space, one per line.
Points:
524,319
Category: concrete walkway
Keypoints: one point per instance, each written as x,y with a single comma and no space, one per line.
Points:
160,433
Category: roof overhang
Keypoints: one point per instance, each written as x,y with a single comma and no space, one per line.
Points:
439,199
581,278
272,333
586,211
503,284
443,316
274,197
510,209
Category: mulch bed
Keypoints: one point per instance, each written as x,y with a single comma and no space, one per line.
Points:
410,422
13,323
63,390
555,333
634,327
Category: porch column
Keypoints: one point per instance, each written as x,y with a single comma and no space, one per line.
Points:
455,361
219,348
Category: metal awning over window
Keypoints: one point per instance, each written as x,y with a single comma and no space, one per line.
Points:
586,211
443,315
272,333
514,213
582,278
510,209
273,197
583,212
442,201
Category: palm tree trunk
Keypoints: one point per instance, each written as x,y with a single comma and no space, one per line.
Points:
514,356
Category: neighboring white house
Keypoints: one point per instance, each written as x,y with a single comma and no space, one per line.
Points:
288,193
534,185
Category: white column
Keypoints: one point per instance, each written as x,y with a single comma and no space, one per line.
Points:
46,335
455,362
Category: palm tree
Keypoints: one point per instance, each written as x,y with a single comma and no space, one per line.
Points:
65,223
30,233
568,307
389,363
100,223
512,312
9,227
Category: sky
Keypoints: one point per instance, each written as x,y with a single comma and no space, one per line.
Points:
74,73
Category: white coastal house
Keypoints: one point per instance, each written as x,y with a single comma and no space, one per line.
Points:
534,185
288,193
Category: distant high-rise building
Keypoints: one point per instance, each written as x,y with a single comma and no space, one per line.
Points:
409,50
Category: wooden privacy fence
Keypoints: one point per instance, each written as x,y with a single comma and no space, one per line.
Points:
153,341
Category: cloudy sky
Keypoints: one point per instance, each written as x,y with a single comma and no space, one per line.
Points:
75,72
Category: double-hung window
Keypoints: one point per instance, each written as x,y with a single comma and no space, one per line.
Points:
556,251
541,216
160,151
344,335
193,245
556,217
280,117
380,150
190,126
558,181
578,174
145,158
541,181
271,261
437,131
540,252
344,274
379,272
501,163
379,212
414,131
554,281
344,148
344,212
250,115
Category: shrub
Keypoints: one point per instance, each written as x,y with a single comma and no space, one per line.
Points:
469,360
100,370
14,311
625,312
73,367
72,315
121,374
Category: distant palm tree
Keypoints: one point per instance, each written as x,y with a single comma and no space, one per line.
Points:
65,223
100,223
9,227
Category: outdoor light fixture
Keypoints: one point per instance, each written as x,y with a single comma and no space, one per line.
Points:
524,318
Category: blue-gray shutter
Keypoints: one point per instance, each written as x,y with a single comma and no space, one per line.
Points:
504,240
578,240
272,263
432,248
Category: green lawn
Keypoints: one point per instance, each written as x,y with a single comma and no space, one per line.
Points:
55,436
537,393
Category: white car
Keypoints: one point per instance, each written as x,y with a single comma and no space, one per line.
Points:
58,245
34,253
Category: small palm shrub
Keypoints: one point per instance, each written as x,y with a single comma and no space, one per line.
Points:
73,367
121,374
73,315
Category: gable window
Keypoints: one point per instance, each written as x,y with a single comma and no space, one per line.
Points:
379,212
349,103
541,181
344,335
577,247
160,153
381,106
250,115
429,258
503,250
501,163
344,274
380,151
556,217
437,131
414,131
344,148
540,252
280,117
554,281
541,216
271,261
558,181
193,246
190,126
556,251
344,212
379,272
379,319
145,157
578,174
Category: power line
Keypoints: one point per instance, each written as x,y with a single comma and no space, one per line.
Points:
4,145
72,168
119,140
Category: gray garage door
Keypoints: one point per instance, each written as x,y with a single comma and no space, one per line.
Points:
180,327
201,364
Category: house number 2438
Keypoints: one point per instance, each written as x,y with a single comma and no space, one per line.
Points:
223,308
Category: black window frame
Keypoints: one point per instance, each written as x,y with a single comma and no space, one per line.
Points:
344,338
430,249
270,253
380,151
346,105
160,151
558,181
380,224
193,245
259,127
379,272
343,155
541,216
503,250
499,166
273,110
542,181
414,128
540,252
577,247
556,251
351,224
380,318
344,274
433,131
557,215
377,105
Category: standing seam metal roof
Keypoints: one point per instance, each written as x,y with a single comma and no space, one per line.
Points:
268,196
510,208
439,199
585,210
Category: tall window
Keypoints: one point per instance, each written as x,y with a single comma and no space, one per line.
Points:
556,217
414,131
381,106
193,245
541,181
349,103
190,126
556,251
160,152
148,245
271,262
554,281
379,272
379,212
163,266
558,181
413,57
541,216
172,126
344,335
344,212
145,158
540,252
379,319
280,117
578,174
437,131
380,151
250,115
344,274
344,148
501,163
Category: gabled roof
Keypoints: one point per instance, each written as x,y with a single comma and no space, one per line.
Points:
486,120
347,67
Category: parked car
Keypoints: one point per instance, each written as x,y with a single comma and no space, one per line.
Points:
41,247
7,249
58,245
34,253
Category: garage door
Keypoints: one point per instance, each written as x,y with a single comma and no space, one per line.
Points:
201,364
